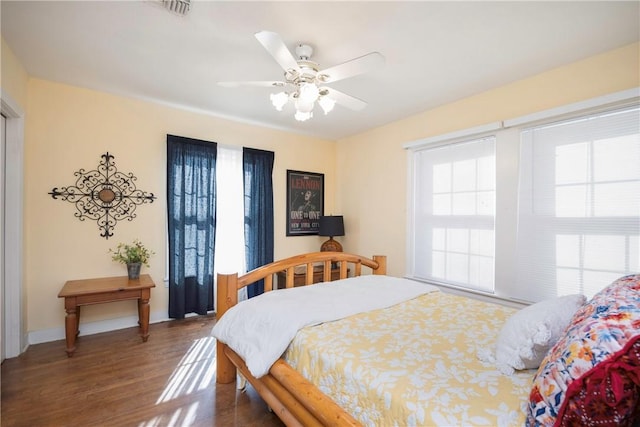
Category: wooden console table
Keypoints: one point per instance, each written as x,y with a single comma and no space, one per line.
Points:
77,293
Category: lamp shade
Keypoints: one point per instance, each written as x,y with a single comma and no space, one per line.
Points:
331,226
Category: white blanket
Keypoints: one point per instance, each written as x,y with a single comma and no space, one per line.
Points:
260,329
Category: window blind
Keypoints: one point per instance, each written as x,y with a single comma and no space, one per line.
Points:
453,214
578,204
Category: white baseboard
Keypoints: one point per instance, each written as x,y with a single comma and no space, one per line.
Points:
55,334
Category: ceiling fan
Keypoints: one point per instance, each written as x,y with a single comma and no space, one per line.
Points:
304,83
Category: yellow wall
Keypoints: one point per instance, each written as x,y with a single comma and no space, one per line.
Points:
372,166
13,77
68,128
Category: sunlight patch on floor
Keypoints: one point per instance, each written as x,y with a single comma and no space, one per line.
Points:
181,417
196,371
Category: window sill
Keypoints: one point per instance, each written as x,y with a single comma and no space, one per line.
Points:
476,294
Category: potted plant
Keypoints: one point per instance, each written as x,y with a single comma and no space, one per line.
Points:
133,255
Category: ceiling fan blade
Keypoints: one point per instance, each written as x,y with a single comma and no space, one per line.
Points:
351,68
345,100
276,47
252,83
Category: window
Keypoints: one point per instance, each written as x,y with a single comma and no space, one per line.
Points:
230,213
579,204
218,198
454,213
529,211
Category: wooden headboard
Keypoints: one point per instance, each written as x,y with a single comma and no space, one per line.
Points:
229,284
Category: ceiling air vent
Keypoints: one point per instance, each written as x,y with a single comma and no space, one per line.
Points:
179,7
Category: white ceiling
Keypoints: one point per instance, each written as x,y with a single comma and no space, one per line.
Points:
436,52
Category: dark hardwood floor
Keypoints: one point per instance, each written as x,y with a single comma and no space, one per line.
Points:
114,379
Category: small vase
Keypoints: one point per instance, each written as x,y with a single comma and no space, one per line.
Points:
133,270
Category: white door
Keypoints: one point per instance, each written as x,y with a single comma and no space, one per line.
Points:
11,185
11,175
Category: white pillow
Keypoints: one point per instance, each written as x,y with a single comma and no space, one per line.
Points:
527,336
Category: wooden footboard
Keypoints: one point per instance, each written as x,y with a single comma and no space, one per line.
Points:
296,401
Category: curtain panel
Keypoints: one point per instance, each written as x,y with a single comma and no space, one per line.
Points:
191,201
258,208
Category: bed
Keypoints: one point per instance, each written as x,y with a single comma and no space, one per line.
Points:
415,357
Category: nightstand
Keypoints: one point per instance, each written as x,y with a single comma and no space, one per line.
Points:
299,278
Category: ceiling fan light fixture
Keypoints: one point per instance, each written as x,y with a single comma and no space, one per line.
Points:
279,100
309,93
303,116
303,106
327,104
304,79
302,76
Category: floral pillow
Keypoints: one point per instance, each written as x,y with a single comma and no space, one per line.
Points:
592,375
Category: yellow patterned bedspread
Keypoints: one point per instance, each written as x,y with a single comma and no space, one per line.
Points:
415,364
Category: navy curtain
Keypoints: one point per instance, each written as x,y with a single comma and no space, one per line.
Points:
191,202
258,209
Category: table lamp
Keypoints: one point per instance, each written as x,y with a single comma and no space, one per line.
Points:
331,226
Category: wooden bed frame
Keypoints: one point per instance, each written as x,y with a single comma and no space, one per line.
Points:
296,401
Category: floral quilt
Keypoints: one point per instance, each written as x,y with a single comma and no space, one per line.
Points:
415,364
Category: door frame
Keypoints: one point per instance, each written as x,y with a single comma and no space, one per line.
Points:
12,309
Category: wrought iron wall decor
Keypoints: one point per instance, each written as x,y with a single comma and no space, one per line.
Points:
104,195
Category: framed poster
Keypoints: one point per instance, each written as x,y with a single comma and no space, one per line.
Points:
305,202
